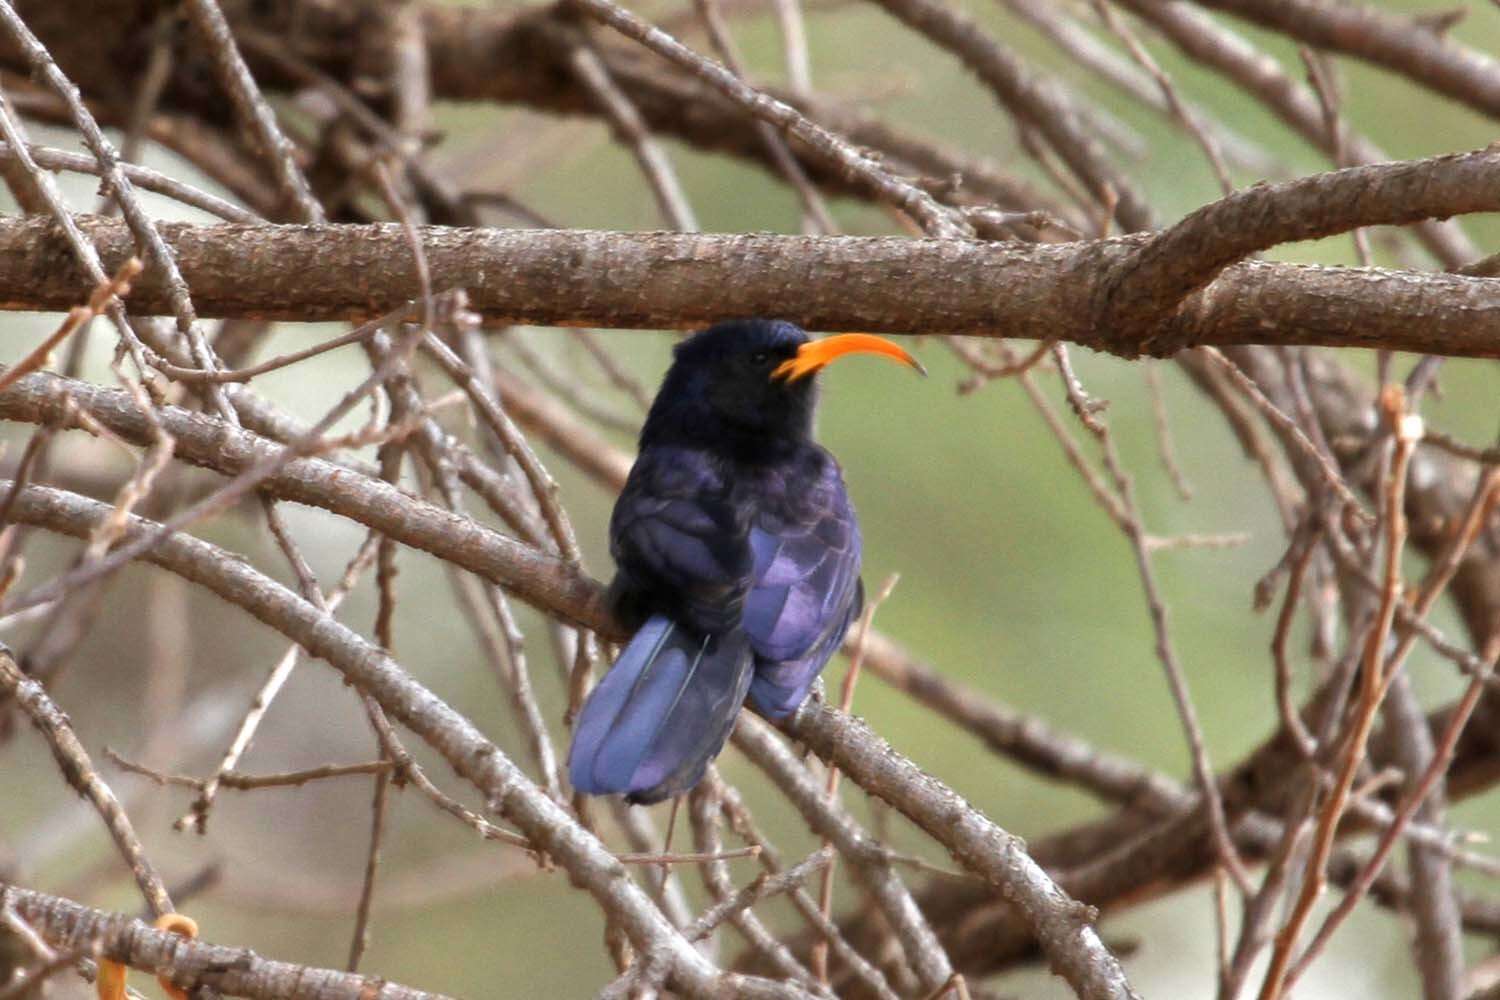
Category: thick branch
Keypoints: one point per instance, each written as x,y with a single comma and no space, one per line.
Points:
669,280
1186,257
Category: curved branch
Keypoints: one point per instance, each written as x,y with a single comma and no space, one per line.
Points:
1148,284
669,280
1205,40
1396,43
237,972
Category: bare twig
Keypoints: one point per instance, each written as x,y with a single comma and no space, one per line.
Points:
255,116
79,772
1408,431
897,192
764,886
631,131
142,177
118,286
1419,789
252,782
232,971
831,786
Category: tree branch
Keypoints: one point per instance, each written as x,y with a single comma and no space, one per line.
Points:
1062,925
506,788
663,280
237,972
1147,285
1393,42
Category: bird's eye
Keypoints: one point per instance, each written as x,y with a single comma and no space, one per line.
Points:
759,358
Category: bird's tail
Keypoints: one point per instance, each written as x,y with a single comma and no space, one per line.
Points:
661,714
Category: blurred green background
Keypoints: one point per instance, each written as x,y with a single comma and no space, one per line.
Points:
1012,580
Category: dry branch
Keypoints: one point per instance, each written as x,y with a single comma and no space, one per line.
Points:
1148,285
505,787
1399,44
367,72
492,55
1062,926
237,972
662,280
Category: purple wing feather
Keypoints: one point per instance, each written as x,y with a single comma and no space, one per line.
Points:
806,591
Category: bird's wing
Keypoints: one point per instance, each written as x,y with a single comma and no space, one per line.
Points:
677,536
807,556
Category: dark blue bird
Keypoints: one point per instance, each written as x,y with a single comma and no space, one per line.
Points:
737,553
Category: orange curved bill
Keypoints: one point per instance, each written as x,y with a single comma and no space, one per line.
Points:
814,354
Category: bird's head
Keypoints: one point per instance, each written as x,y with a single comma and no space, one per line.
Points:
750,384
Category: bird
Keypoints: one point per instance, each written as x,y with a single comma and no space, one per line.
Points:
737,557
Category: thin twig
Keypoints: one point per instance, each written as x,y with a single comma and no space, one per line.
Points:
743,824
255,116
1086,409
142,177
1417,791
764,886
789,15
197,817
900,193
1178,108
631,131
1305,545
141,225
80,774
704,816
1163,425
1408,430
870,867
831,785
309,441
118,286
1331,475
252,782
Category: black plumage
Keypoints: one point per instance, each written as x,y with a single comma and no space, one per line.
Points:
737,554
